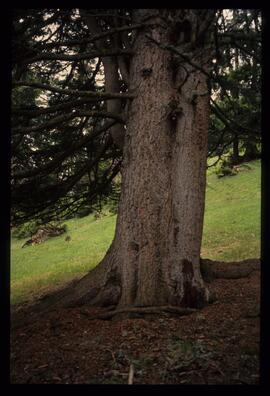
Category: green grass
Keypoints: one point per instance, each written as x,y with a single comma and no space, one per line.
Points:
36,268
231,232
233,215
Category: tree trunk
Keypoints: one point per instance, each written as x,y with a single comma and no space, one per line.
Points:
235,155
235,160
251,152
160,220
154,259
112,83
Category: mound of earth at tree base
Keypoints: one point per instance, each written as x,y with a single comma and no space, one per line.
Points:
218,344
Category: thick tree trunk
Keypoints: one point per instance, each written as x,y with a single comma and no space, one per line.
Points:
160,220
154,259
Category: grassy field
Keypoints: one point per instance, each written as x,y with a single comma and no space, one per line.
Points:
231,232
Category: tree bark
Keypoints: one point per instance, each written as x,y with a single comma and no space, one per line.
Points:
234,270
112,83
160,220
154,259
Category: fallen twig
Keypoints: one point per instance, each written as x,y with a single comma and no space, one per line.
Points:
131,374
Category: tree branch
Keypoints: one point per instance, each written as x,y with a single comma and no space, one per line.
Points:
227,121
53,193
239,36
71,58
112,83
60,158
72,92
33,112
97,37
49,124
67,117
173,49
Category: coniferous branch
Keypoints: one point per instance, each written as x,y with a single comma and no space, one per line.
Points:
88,40
227,120
97,95
50,197
50,166
36,111
44,56
67,117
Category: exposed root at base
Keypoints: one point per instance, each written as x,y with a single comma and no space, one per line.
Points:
234,270
101,288
166,309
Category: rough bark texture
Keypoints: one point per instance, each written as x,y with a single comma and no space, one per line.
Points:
154,259
160,220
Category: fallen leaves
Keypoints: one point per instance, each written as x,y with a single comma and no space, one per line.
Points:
218,345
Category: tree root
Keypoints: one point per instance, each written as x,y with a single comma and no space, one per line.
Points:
101,287
234,270
166,309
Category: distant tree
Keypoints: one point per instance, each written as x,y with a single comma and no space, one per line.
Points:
236,108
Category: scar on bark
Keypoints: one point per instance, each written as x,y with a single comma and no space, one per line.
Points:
194,297
174,112
175,235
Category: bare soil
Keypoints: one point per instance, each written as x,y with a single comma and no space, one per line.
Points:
216,345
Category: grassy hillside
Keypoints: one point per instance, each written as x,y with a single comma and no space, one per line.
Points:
233,215
231,232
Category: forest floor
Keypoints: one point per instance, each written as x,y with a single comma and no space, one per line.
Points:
216,345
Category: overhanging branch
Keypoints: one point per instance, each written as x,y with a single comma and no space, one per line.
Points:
233,125
67,117
36,111
73,92
61,157
97,37
70,58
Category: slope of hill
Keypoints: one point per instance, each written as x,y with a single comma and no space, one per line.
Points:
231,232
